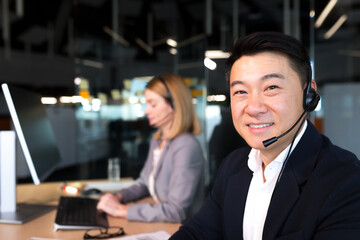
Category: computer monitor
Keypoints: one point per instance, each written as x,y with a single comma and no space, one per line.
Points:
38,143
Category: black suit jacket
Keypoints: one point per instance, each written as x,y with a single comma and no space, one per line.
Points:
318,196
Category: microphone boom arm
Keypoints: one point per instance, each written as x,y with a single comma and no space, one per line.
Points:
274,139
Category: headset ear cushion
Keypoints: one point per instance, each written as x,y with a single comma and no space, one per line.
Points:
311,100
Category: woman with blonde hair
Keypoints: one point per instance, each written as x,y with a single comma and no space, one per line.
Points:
173,174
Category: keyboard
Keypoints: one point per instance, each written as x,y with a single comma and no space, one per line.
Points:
79,213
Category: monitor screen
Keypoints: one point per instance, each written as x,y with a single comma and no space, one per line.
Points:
33,130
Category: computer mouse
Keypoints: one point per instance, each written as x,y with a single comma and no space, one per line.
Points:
91,191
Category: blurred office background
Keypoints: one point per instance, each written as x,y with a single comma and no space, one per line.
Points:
91,59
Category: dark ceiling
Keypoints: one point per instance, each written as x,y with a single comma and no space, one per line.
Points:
66,30
182,19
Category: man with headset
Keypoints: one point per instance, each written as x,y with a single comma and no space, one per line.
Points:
292,183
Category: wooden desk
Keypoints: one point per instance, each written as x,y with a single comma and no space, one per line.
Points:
43,226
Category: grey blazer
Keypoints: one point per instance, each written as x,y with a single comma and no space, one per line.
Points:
179,182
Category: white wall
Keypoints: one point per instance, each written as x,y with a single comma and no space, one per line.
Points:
341,105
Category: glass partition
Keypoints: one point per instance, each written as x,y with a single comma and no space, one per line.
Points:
95,58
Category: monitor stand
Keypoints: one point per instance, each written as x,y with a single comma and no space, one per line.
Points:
10,212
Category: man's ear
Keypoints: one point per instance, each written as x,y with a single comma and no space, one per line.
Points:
313,84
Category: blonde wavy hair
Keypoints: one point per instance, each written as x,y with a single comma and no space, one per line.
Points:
173,89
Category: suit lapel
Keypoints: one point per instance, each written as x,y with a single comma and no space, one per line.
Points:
286,193
162,157
284,197
234,202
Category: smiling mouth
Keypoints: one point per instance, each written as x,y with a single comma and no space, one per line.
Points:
260,125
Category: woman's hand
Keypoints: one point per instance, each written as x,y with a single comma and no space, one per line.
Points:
111,205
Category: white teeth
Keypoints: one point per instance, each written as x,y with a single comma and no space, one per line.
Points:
260,126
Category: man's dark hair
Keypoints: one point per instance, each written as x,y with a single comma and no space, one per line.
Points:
273,42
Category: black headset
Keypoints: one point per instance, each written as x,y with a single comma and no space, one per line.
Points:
311,100
311,97
169,99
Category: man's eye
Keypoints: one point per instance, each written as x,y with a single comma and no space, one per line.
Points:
239,92
272,87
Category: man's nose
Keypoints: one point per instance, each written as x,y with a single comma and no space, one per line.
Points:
255,105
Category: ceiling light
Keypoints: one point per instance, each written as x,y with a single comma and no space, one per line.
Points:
191,40
325,13
48,100
91,63
77,81
77,99
312,13
216,98
171,42
116,36
335,27
144,46
216,54
173,51
65,99
210,64
71,99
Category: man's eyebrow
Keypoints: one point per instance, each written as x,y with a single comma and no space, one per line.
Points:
263,78
272,75
235,82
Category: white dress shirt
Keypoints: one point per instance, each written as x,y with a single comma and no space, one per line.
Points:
156,157
260,192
